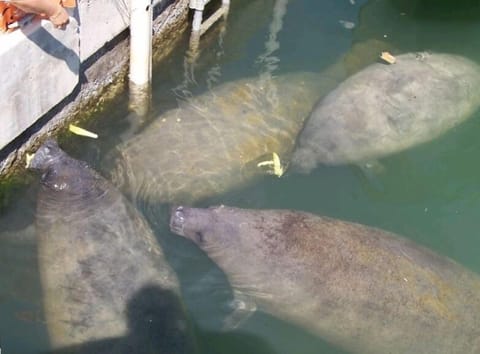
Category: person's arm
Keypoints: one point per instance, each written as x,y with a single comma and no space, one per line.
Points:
50,8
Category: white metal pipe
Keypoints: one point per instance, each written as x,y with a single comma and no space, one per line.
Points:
197,20
140,97
140,41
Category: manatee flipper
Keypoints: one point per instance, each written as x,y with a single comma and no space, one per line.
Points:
242,307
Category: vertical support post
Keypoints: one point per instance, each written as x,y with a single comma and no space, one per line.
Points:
197,20
199,27
198,6
140,55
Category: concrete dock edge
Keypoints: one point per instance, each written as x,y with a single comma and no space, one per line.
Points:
54,74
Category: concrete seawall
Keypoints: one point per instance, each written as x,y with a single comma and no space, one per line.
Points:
51,74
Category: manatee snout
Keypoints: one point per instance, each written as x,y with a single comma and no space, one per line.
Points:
177,220
192,223
45,156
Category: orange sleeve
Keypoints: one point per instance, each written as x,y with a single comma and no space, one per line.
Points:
44,7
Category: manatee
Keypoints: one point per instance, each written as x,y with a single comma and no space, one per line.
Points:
360,288
213,142
97,258
384,109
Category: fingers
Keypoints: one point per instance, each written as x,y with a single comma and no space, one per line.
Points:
60,18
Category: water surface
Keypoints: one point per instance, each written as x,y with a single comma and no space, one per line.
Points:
429,193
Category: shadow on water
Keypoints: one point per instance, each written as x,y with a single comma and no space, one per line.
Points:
153,324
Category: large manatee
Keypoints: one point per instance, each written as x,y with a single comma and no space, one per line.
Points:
361,288
384,109
104,277
213,142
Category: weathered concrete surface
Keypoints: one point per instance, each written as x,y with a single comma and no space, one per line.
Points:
93,75
43,66
99,27
102,20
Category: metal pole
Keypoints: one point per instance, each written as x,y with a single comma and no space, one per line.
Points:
140,54
141,41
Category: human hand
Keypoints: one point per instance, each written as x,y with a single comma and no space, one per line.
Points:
60,18
49,9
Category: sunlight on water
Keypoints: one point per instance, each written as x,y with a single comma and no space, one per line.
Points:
428,193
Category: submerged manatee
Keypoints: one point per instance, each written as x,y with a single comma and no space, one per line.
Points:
213,142
98,258
361,288
384,109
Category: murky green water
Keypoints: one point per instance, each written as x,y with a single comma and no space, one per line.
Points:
429,193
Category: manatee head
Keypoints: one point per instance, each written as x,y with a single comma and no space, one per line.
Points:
215,229
194,224
236,239
46,156
60,172
228,238
251,247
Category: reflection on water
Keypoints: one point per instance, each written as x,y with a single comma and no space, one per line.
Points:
414,25
428,193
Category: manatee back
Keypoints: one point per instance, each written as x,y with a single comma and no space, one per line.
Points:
385,109
97,258
207,145
371,291
358,287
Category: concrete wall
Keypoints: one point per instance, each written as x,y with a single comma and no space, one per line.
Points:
40,67
41,64
100,21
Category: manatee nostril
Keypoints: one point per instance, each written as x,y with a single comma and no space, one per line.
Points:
179,215
177,220
199,237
